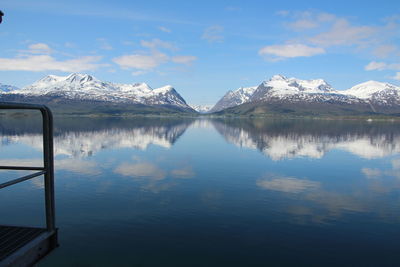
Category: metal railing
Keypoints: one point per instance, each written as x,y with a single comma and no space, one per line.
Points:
48,160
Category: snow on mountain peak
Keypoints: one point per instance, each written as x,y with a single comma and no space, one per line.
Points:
278,77
136,88
234,98
201,108
79,78
164,89
50,79
7,88
368,89
143,85
280,86
77,86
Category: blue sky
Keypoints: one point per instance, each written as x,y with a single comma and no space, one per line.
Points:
202,48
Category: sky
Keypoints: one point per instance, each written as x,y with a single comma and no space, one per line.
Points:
201,48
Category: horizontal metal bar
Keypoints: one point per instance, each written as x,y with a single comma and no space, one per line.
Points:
23,168
21,179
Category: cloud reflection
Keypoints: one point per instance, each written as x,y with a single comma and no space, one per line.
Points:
319,202
184,173
85,167
287,184
152,176
140,170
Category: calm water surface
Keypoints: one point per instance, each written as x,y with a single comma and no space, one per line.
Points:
182,192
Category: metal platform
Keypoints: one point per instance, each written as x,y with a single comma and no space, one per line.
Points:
25,246
13,238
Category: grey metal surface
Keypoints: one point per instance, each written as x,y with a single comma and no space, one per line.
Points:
12,238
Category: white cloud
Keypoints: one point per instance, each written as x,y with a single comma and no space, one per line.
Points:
142,62
283,13
384,51
129,43
303,24
290,51
396,76
39,48
183,59
287,184
37,58
373,65
329,30
104,44
36,48
157,43
342,33
213,34
139,72
154,58
69,45
49,63
393,66
164,29
306,20
325,17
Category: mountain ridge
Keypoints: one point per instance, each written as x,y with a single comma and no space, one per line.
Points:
86,88
280,94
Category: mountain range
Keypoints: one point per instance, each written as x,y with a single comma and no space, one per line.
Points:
7,88
82,89
310,97
79,93
202,108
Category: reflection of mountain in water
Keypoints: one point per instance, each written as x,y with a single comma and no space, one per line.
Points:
277,139
280,139
82,137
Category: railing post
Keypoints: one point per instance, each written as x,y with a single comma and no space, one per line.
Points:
48,161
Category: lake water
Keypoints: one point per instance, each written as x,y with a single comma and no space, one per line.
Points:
186,192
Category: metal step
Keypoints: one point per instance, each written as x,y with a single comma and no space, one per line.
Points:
24,246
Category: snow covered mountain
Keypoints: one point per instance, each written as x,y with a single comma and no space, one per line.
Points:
366,97
376,93
281,87
234,98
7,88
86,87
201,108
